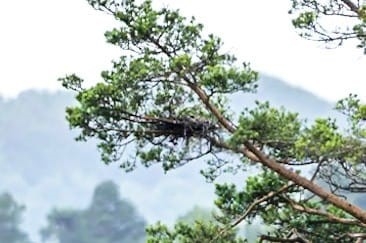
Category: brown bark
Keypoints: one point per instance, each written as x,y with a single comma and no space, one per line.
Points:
259,156
352,6
329,217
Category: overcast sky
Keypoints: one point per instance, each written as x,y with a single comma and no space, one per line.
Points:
42,40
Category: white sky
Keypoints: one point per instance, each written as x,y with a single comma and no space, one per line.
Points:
42,40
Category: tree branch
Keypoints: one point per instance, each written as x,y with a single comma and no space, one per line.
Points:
251,207
295,237
330,217
353,7
286,173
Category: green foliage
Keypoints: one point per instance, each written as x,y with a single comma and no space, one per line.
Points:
330,21
108,219
279,211
199,232
197,214
276,129
197,225
233,203
355,111
10,220
321,139
284,212
166,95
165,55
314,227
305,20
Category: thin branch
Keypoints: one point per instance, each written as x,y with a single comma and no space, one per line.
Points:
351,5
316,171
251,208
297,239
358,236
258,201
330,217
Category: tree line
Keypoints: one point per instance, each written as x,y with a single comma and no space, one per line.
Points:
107,219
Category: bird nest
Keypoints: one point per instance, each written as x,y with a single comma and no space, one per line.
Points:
181,127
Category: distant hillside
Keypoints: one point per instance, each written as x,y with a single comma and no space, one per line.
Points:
292,98
42,165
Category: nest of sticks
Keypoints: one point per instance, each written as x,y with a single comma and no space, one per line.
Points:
181,127
173,128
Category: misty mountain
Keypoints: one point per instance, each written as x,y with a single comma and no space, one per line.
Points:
43,167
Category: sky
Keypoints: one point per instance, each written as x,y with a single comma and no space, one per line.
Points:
42,40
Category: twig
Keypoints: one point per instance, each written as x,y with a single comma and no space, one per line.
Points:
351,5
330,217
298,239
252,206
